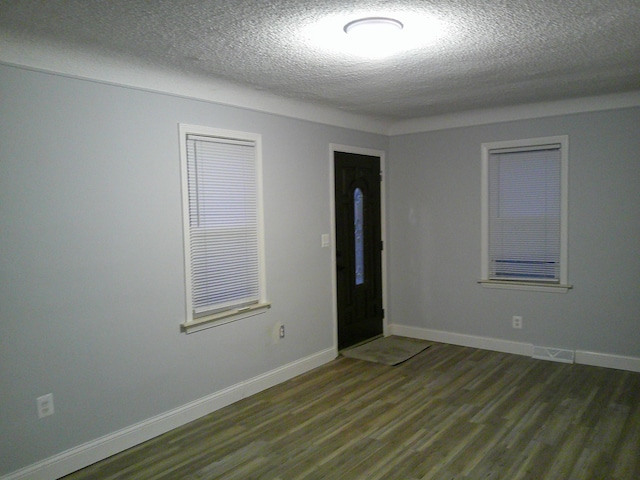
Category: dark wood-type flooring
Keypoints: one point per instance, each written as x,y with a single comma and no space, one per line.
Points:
449,413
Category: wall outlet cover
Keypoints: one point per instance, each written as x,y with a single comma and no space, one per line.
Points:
45,405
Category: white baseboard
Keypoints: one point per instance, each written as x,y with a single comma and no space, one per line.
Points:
595,359
101,448
608,360
485,343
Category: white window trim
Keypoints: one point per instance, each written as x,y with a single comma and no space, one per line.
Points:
192,324
563,286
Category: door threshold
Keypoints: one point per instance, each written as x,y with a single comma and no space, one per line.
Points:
355,345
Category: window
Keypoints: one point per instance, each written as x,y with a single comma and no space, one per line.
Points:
358,234
223,232
524,214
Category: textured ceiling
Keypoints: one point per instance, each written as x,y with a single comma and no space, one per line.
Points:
468,54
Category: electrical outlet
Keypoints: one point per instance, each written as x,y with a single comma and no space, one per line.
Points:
516,321
45,405
281,331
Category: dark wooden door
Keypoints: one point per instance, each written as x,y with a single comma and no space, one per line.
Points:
358,247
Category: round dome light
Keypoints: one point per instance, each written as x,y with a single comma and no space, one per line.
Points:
373,26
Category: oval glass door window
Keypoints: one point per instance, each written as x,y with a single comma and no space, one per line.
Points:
358,215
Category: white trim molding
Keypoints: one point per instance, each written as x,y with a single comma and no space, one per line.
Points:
595,359
608,360
84,455
484,343
77,63
517,112
67,61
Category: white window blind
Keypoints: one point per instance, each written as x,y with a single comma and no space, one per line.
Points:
223,224
524,213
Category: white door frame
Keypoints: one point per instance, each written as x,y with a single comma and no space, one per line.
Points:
333,147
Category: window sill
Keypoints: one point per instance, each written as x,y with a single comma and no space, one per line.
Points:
531,286
223,318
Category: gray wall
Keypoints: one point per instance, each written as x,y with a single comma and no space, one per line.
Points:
434,236
91,256
91,270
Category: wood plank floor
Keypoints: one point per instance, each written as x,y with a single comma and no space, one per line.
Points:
449,413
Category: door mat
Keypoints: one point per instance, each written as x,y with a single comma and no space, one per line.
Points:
388,350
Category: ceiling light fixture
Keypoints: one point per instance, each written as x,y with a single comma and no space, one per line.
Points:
407,31
373,26
374,37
